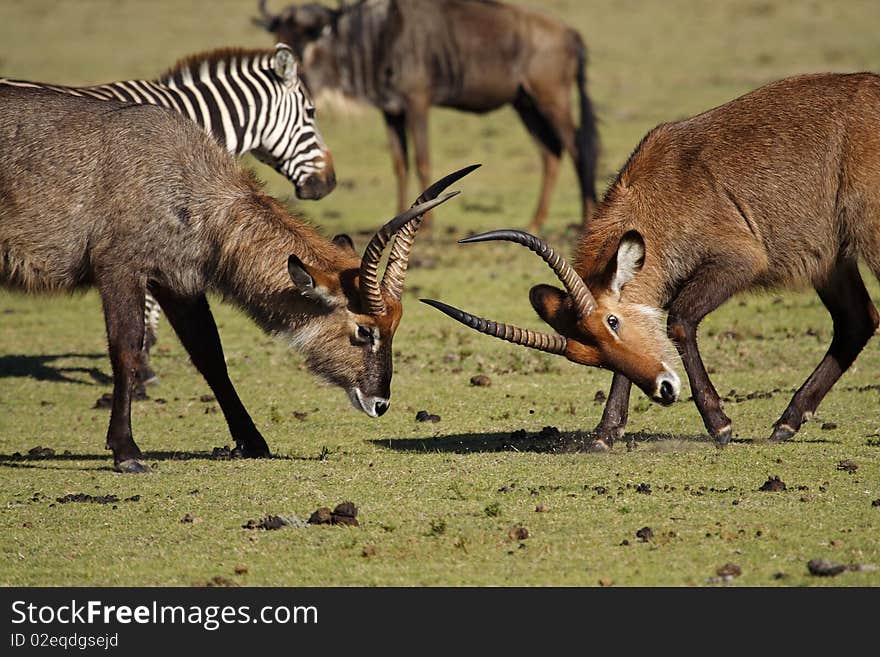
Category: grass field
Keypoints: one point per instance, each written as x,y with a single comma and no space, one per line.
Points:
437,501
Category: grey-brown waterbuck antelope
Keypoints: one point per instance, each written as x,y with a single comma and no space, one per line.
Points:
777,188
138,198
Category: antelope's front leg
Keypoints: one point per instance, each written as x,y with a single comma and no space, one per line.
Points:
613,423
683,333
123,315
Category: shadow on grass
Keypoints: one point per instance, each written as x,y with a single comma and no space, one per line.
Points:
18,460
42,368
547,441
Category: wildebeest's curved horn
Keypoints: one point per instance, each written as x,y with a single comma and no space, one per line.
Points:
371,293
553,344
584,302
266,20
395,273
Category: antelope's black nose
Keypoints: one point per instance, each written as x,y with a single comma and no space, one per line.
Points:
381,407
667,393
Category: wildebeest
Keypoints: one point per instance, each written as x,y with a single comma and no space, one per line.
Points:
777,188
130,198
403,56
251,101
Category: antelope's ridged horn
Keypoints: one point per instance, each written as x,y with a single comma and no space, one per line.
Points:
552,344
583,299
398,260
371,293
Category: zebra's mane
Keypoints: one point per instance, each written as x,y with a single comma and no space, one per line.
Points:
192,63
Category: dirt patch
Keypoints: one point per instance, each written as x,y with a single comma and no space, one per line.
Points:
728,571
825,568
424,416
106,400
645,534
481,380
848,465
85,497
517,533
271,522
218,581
773,485
225,453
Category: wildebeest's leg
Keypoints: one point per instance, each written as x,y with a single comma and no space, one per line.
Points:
855,320
613,422
396,124
417,124
194,324
551,149
123,303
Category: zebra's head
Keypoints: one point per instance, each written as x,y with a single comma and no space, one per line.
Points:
290,142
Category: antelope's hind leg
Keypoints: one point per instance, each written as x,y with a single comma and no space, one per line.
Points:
192,320
855,320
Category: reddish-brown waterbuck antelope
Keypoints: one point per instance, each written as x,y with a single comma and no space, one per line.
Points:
130,198
778,188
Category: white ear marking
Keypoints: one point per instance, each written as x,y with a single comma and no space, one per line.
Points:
630,258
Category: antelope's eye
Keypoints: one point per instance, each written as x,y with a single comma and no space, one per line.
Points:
365,334
613,323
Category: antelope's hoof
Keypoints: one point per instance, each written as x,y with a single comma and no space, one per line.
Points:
598,446
132,466
722,437
245,452
782,432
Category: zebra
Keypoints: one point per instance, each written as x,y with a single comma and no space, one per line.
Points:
250,101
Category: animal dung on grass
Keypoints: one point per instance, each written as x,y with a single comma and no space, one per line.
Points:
481,380
424,416
344,514
773,485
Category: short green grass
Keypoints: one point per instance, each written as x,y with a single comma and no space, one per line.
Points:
437,501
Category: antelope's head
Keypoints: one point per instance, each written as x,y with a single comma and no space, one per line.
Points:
348,341
596,328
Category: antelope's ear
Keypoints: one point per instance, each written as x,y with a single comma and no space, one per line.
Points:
554,307
630,260
306,283
284,64
343,241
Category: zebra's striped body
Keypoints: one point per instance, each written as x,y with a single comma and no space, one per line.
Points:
250,100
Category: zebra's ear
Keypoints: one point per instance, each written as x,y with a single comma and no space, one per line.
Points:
284,64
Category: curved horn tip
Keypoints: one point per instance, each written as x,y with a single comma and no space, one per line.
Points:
500,234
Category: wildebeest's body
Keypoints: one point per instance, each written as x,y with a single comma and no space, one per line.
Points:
405,55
